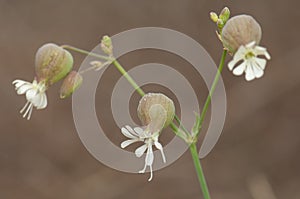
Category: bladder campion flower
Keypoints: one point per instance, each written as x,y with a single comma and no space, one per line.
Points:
156,111
35,95
52,63
241,36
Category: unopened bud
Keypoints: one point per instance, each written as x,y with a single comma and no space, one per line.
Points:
52,63
240,30
220,24
106,45
225,14
151,104
70,84
214,17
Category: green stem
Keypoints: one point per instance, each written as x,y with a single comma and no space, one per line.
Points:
128,77
199,170
88,69
180,125
193,147
211,91
87,52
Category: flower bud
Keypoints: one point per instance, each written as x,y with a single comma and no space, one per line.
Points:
152,102
240,30
52,63
70,84
220,24
225,14
213,16
106,45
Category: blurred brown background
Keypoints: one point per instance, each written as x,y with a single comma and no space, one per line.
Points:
257,156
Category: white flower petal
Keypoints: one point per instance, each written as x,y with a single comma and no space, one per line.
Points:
240,53
144,169
259,66
251,44
131,131
262,51
267,55
240,69
151,174
139,131
127,134
149,156
127,143
23,89
231,64
238,56
19,83
43,102
249,73
258,72
141,150
261,62
159,147
30,94
16,81
259,49
36,100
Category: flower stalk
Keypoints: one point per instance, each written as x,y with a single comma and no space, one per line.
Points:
211,91
199,170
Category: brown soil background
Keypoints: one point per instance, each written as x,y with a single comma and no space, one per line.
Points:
258,151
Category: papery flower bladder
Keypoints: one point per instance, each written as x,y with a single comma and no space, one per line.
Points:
241,36
156,111
35,95
52,63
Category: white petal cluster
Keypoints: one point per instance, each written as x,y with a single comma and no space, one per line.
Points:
252,65
139,135
35,95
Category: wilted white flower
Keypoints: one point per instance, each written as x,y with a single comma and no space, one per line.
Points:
149,139
252,65
97,65
35,95
156,111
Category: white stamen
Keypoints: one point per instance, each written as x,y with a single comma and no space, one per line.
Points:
24,107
